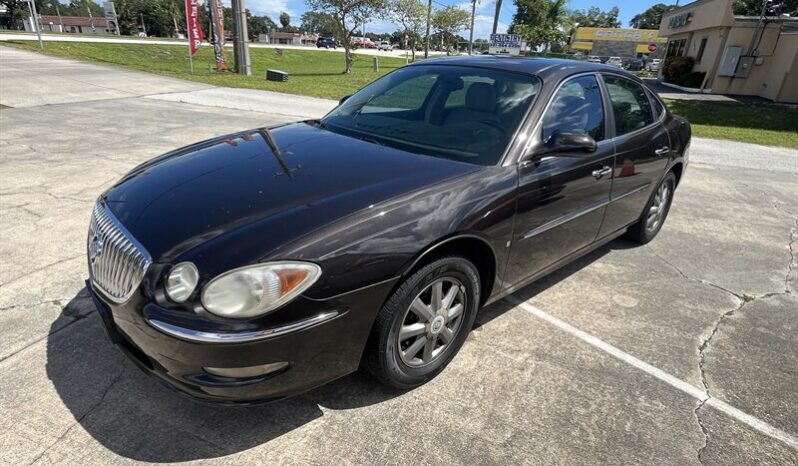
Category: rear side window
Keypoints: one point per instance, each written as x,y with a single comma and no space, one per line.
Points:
630,105
658,108
576,108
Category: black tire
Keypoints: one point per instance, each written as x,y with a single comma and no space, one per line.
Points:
381,357
639,232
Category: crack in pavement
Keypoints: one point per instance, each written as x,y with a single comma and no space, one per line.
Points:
791,264
742,300
63,435
75,318
702,359
44,267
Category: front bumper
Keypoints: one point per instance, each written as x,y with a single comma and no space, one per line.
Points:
316,351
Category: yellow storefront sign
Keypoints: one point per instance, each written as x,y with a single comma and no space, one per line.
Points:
618,34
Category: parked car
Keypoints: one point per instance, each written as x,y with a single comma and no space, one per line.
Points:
260,264
327,43
633,64
363,42
593,59
653,64
385,45
615,61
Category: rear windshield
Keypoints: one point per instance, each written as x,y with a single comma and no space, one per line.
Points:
461,113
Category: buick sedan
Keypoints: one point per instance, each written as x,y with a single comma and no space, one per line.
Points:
260,264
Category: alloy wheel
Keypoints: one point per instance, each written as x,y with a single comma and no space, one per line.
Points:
659,205
431,322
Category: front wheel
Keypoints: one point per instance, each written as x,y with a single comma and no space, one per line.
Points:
424,323
655,212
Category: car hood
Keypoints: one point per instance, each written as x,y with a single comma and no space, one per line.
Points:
284,182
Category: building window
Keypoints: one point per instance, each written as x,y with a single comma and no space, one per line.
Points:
701,50
676,48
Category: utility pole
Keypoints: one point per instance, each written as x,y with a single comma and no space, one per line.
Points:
91,19
496,16
241,44
35,21
471,32
426,42
60,20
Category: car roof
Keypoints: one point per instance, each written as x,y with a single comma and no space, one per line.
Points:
544,68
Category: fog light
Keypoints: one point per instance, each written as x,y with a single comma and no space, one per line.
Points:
181,281
243,372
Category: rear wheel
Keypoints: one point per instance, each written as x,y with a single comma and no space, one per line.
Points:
422,326
655,213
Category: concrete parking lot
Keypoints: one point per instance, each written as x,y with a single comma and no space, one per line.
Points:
683,351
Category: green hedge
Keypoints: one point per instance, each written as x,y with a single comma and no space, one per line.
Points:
692,79
677,67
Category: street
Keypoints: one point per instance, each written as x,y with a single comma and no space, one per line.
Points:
683,351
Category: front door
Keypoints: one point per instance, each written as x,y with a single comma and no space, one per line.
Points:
642,148
561,199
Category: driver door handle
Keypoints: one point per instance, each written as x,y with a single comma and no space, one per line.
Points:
599,174
662,150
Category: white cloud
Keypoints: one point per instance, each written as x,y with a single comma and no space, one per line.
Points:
273,8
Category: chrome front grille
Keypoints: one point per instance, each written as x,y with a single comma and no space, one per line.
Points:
117,262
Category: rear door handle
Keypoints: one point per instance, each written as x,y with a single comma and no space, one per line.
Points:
662,150
598,174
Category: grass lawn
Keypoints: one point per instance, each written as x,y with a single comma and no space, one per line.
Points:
770,125
318,74
313,73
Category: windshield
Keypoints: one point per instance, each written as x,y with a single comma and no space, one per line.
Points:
455,112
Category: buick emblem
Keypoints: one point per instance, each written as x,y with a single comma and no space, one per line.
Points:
96,247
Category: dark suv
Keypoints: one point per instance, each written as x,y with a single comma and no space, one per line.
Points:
326,42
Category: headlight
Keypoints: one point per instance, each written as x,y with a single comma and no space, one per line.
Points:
257,289
181,281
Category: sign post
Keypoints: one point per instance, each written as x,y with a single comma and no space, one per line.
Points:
35,21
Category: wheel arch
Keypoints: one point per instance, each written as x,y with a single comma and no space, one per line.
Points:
469,245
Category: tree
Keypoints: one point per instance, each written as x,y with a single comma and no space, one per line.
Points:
595,17
541,22
285,20
651,18
754,7
257,25
163,18
322,24
348,15
448,21
411,16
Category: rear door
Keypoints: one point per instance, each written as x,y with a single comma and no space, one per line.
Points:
642,148
562,198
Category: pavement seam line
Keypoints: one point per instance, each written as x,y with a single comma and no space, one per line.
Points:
82,417
701,395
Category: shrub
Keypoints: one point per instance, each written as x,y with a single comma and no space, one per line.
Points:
676,67
692,79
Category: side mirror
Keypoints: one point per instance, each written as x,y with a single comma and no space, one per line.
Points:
343,99
566,144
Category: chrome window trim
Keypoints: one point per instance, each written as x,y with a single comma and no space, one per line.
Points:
533,134
647,91
198,336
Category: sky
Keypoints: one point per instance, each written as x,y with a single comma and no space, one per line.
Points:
483,21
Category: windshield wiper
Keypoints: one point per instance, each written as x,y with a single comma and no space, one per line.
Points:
369,139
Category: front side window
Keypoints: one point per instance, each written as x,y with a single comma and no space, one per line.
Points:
630,105
461,113
576,108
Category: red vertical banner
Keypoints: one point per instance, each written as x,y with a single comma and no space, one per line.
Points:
193,28
217,16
